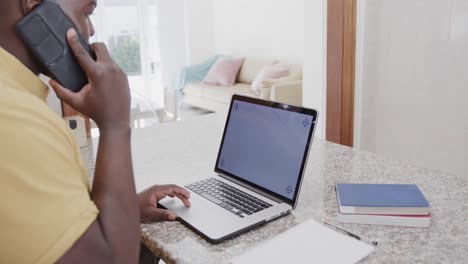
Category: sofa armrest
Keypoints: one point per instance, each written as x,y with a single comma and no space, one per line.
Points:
290,93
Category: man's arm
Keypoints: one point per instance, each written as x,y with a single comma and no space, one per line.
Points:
114,237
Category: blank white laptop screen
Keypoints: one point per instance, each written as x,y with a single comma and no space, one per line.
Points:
265,146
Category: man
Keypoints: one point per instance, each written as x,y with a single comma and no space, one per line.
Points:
48,212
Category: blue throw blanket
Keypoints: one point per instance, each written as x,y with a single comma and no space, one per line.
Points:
194,73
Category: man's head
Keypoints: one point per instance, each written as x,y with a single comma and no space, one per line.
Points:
12,11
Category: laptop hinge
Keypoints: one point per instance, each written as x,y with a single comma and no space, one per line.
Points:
253,189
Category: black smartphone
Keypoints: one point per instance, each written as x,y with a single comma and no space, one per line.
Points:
44,31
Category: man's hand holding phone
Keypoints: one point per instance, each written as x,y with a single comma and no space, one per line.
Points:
106,98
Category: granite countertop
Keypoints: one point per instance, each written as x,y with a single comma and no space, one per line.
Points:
185,151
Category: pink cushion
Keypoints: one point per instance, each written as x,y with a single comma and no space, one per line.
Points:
224,71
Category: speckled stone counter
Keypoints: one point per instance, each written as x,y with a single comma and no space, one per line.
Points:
181,152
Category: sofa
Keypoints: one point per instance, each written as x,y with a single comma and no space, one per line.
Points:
217,98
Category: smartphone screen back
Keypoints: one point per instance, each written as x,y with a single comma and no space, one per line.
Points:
44,31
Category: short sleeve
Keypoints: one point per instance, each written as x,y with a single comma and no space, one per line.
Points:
44,188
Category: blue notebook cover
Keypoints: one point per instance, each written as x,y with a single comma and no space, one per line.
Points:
380,195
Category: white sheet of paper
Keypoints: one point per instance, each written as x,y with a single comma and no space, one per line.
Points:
309,242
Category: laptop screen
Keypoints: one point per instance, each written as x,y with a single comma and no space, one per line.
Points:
266,144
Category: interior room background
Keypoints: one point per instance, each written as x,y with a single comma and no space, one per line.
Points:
411,61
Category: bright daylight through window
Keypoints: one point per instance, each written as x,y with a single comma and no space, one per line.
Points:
130,30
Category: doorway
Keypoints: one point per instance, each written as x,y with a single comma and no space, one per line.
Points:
341,46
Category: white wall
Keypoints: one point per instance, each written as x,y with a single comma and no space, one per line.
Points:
412,93
186,34
314,87
199,30
269,29
172,37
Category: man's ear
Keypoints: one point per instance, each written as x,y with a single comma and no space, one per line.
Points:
28,5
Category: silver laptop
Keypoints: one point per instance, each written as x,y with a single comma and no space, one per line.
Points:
258,172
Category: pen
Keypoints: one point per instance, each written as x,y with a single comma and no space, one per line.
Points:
374,243
343,230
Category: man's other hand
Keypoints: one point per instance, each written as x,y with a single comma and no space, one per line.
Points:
149,198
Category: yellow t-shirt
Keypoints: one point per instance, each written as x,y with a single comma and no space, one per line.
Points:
45,204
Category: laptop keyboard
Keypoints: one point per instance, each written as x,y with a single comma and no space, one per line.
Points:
228,197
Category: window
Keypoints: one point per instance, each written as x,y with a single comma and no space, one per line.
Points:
129,28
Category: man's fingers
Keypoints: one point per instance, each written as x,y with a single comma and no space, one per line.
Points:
102,54
170,192
158,214
84,59
184,199
173,189
162,191
64,94
183,194
180,191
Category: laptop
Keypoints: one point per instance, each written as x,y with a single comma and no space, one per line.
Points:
258,171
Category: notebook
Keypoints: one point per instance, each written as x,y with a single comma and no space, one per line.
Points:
309,242
388,220
394,199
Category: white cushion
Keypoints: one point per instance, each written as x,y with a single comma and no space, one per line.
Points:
270,72
250,69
